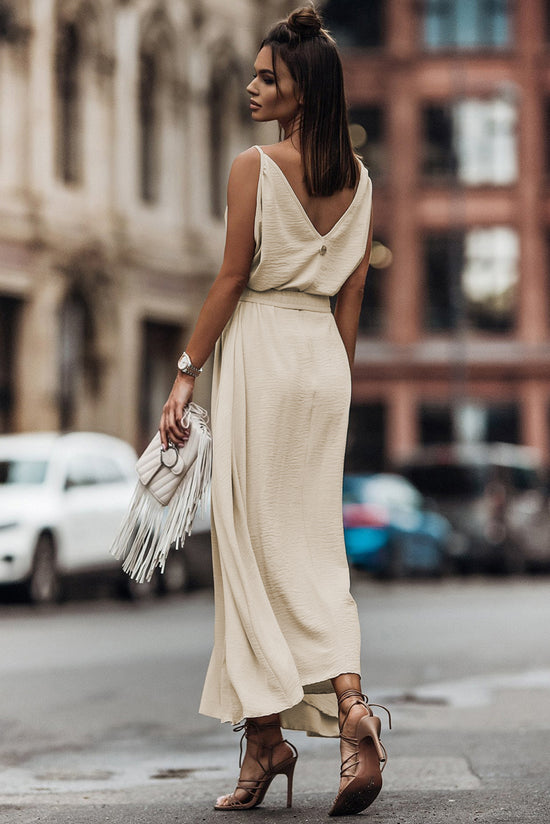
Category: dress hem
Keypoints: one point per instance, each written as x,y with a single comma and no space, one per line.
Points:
304,693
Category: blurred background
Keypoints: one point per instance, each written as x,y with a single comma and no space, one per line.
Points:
118,125
119,120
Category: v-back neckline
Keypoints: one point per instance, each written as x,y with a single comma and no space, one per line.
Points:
301,205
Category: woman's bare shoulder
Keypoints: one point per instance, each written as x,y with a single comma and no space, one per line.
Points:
246,163
243,178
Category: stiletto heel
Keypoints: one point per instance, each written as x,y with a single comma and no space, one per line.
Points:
256,788
289,772
362,767
370,727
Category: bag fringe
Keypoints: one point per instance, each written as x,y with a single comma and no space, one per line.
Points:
150,529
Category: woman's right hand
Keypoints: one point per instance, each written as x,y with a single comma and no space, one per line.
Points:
171,428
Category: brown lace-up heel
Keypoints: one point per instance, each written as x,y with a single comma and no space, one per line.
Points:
256,788
362,766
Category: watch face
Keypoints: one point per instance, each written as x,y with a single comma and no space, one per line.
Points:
184,362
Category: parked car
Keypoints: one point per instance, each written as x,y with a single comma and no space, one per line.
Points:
479,488
62,498
529,528
389,531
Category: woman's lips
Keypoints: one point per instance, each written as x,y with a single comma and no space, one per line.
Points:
254,105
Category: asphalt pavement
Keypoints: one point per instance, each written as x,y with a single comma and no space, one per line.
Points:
98,716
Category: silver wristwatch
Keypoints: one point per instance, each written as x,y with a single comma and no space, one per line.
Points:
185,366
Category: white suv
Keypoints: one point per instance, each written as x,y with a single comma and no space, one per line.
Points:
62,498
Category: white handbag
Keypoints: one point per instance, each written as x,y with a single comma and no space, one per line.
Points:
172,485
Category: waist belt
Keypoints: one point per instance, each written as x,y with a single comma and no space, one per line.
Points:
288,299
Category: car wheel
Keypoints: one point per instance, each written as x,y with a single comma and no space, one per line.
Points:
43,584
513,561
175,577
446,567
394,568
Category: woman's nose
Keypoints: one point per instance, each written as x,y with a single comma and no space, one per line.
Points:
250,88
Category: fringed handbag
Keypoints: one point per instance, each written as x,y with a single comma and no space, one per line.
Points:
172,485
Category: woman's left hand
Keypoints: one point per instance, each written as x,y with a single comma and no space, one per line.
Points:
171,428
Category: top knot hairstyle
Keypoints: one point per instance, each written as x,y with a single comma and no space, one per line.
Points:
305,21
310,53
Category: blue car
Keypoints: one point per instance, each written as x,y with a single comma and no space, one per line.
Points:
389,531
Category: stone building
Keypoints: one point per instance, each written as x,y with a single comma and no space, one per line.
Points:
118,122
450,107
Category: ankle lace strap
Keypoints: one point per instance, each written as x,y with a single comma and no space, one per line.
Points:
361,699
352,694
248,726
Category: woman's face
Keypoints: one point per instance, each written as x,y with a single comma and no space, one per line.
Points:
267,102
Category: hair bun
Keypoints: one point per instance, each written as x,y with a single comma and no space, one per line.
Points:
305,21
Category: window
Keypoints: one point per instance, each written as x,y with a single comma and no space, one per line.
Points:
68,77
472,141
107,470
148,127
372,317
471,279
438,152
161,345
466,24
356,24
81,471
226,127
22,471
472,421
222,107
76,335
485,141
10,313
436,423
155,111
367,133
366,438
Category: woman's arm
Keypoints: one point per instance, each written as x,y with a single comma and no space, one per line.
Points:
348,303
226,290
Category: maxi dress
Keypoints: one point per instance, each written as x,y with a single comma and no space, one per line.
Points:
285,621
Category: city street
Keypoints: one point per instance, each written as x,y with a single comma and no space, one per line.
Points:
99,722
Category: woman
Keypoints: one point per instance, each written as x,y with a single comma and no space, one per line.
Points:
286,649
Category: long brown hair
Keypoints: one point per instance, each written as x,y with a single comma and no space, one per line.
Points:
310,53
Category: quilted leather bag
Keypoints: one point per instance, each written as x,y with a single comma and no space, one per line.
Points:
172,485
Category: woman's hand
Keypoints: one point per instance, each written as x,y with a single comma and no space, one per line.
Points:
170,423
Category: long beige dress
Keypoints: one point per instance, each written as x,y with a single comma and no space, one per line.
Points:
285,620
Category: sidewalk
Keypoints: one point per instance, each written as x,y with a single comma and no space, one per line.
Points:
486,762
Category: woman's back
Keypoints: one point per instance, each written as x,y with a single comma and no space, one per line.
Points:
304,243
323,212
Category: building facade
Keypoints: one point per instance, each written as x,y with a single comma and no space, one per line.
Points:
118,123
450,108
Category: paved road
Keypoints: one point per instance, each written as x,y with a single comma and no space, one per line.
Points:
99,723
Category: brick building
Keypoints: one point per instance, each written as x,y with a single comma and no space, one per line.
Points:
450,103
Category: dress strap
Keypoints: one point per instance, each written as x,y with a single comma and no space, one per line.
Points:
258,214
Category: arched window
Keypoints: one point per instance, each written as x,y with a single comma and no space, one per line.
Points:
226,127
68,77
155,107
217,134
149,123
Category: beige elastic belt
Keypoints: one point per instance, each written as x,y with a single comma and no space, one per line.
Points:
288,299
